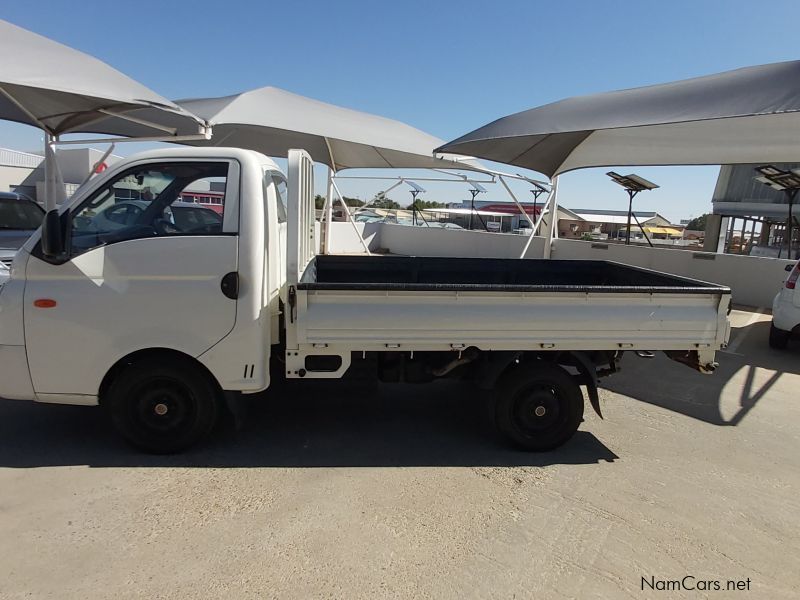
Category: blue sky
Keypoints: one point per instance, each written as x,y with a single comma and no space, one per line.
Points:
445,67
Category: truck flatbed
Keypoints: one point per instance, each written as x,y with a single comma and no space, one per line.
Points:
331,272
427,303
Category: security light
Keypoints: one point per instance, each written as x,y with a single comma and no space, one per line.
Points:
416,189
414,186
476,189
633,184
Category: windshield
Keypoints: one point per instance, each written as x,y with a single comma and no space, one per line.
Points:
19,214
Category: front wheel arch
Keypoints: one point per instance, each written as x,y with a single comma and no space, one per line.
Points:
165,354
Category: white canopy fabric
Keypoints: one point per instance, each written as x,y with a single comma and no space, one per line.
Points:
272,121
59,89
748,115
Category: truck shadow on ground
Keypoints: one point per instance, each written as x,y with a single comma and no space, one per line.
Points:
747,375
441,424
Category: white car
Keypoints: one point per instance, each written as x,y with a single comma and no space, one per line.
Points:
786,310
182,216
19,218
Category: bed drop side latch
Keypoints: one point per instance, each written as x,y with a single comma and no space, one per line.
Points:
292,303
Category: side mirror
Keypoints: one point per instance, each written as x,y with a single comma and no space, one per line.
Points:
788,268
52,239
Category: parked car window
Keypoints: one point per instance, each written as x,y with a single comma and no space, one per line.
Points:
196,219
20,214
146,202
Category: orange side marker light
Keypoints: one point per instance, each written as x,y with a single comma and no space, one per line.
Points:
44,303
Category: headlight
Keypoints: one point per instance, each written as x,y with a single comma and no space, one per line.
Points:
5,274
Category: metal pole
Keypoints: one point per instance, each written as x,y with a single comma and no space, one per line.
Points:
519,206
643,231
472,207
349,217
731,229
328,214
791,222
631,194
553,210
741,236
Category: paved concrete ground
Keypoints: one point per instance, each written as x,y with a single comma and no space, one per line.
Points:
410,494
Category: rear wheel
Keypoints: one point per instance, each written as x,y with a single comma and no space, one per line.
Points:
538,408
163,406
778,338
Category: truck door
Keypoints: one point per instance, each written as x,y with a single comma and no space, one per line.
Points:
151,263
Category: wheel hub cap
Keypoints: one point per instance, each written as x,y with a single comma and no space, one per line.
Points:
540,411
161,409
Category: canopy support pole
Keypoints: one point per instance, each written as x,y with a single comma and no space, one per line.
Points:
139,121
196,137
21,106
366,204
97,164
790,222
50,173
522,212
350,217
327,213
552,230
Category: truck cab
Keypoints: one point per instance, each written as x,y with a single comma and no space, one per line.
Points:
142,288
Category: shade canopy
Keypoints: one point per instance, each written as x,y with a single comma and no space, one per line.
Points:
272,121
59,89
743,116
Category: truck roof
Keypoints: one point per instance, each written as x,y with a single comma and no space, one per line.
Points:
184,153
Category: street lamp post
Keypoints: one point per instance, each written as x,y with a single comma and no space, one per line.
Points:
474,190
537,191
633,184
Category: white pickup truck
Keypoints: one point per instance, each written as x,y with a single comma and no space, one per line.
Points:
161,322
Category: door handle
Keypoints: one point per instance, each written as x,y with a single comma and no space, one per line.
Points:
230,285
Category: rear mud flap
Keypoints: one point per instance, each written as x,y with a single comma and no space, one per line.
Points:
589,375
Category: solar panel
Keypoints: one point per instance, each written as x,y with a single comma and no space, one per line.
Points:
632,182
414,186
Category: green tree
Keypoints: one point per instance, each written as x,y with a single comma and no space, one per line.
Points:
423,204
319,202
385,203
353,201
698,223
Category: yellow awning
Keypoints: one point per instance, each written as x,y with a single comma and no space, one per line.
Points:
665,230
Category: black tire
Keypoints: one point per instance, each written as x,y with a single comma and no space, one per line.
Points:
778,338
538,406
183,391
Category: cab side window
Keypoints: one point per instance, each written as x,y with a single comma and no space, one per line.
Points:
153,200
282,192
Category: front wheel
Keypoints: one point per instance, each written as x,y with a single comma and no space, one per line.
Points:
538,408
778,338
163,406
